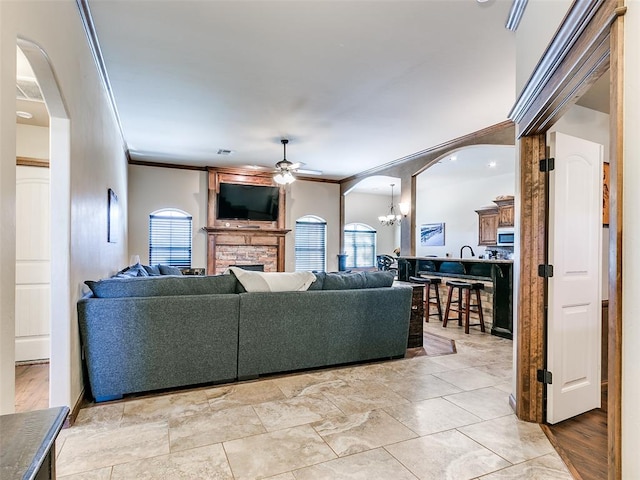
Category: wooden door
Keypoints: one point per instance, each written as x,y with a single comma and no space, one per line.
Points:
32,263
575,235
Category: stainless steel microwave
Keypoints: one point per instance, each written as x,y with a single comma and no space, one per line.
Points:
505,236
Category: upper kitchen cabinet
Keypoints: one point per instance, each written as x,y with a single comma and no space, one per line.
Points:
505,210
488,220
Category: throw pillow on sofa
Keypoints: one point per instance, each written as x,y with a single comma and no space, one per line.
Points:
136,270
273,281
169,270
162,286
357,280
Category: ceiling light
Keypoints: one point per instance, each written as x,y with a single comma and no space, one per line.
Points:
23,114
284,168
391,218
453,158
493,164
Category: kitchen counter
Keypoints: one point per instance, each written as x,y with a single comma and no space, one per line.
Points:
462,260
497,271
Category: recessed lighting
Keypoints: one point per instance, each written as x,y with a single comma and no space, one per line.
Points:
453,158
23,114
493,164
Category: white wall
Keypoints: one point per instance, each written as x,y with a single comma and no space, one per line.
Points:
313,198
631,252
539,23
32,141
590,125
366,208
96,162
455,203
154,188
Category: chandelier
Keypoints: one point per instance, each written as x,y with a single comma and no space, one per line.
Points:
391,218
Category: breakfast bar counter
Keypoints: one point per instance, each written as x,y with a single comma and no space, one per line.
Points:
497,272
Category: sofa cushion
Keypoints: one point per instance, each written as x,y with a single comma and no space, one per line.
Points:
253,281
152,270
169,270
136,270
344,281
356,280
162,286
379,279
318,283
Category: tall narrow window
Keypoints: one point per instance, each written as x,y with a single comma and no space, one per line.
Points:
360,245
170,238
311,243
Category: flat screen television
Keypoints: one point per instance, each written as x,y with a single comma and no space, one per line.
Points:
248,202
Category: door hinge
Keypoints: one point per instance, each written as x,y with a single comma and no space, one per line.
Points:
544,376
545,271
547,164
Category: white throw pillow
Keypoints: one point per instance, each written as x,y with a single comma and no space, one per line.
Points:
253,281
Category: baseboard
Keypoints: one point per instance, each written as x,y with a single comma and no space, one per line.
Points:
565,458
73,414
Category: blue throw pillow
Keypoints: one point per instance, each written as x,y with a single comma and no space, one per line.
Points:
169,270
152,270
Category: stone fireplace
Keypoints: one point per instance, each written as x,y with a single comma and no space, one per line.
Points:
243,242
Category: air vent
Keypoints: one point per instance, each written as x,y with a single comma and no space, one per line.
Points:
28,89
223,151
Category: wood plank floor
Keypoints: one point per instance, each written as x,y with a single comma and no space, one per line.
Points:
32,387
582,443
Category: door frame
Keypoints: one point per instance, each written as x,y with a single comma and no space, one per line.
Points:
589,41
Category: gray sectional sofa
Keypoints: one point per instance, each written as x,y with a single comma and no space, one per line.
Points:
148,333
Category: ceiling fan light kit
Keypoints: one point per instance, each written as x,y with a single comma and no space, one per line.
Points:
284,168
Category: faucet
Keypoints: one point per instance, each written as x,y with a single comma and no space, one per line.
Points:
469,247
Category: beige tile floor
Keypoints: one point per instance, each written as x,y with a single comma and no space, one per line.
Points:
444,417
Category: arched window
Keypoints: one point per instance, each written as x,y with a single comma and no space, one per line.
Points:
360,245
170,238
311,243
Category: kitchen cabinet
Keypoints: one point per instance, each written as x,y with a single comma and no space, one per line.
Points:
505,211
488,220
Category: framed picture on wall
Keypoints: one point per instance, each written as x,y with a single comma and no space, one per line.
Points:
113,216
432,234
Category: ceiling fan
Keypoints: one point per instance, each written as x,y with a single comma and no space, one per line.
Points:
285,169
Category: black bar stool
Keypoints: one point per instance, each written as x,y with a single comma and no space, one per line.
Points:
462,304
431,296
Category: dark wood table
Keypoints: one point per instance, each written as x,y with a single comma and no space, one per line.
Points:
417,314
27,444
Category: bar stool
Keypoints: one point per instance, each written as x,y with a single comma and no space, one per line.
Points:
431,296
462,304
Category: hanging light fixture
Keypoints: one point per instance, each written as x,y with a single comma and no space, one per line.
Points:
284,168
391,218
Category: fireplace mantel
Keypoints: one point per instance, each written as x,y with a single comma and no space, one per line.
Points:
233,242
232,246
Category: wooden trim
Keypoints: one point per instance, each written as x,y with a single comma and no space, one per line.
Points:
616,159
469,139
32,162
144,163
531,301
244,171
563,455
576,57
73,414
583,29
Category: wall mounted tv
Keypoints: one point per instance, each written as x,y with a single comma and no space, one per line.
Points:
248,202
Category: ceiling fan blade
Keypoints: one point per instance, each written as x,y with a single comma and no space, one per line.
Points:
309,172
295,166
